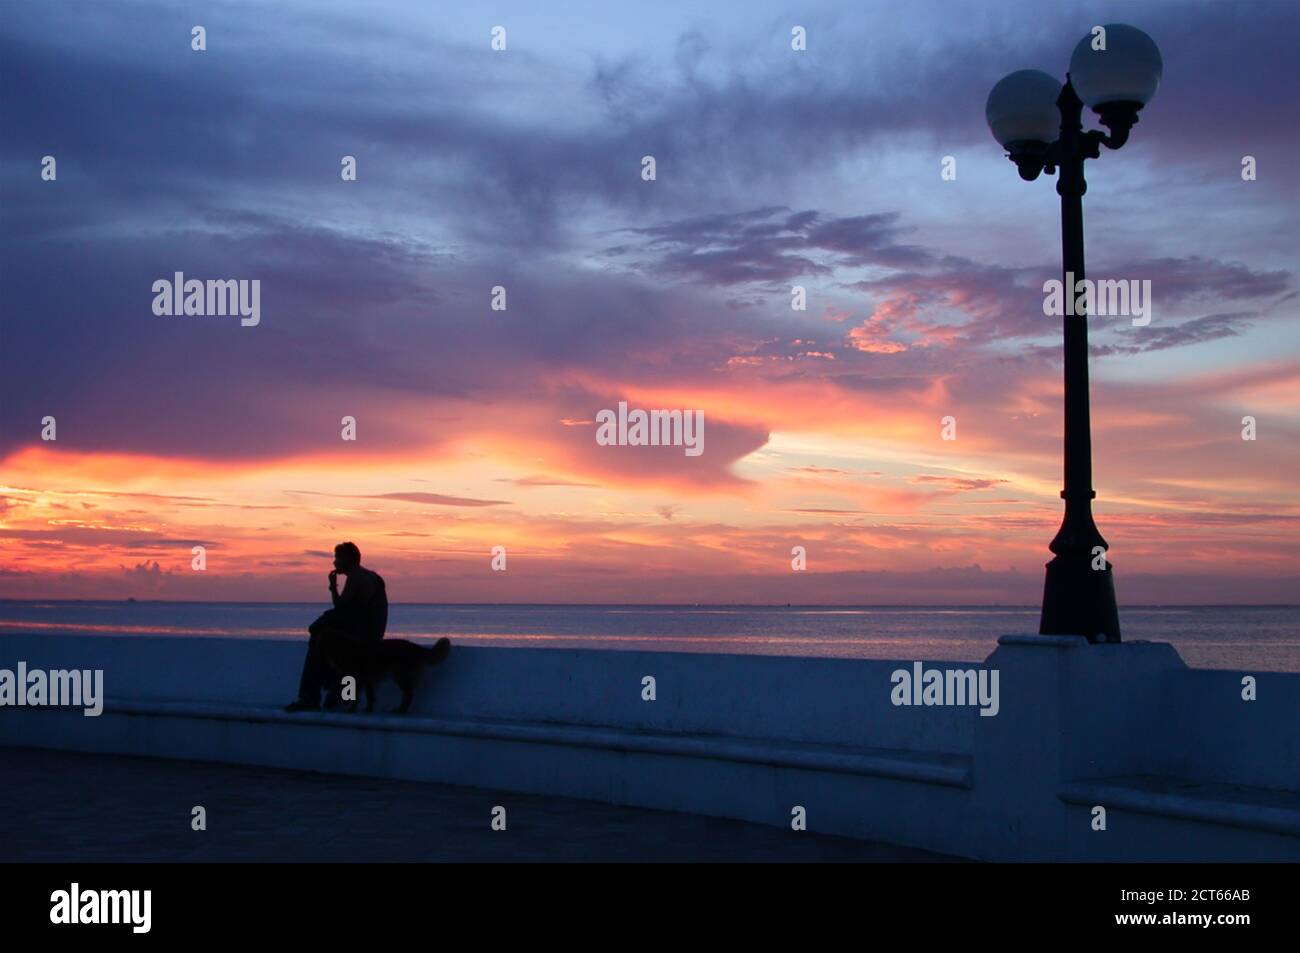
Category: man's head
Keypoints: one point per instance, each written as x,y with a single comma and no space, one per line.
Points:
346,556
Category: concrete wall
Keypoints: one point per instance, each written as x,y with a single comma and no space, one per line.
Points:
750,737
834,701
1073,712
1213,735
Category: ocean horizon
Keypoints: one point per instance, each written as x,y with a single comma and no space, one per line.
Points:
1247,637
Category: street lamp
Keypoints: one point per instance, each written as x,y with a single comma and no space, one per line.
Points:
1115,70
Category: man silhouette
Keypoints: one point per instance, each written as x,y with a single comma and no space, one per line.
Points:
360,612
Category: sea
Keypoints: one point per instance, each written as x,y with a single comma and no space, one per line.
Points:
1263,638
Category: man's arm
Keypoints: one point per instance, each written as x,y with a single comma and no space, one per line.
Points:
354,593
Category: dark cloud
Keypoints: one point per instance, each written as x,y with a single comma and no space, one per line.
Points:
427,499
956,483
1210,327
225,164
773,244
437,499
94,536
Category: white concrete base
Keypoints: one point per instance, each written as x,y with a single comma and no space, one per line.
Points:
1185,769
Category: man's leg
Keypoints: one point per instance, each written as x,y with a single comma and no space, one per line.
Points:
317,674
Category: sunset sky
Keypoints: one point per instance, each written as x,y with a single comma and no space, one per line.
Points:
522,168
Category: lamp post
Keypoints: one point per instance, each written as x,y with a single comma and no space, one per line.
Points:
1115,70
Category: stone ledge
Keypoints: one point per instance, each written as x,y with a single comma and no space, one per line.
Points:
951,770
1230,805
1045,641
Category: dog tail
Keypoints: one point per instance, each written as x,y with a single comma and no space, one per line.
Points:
438,654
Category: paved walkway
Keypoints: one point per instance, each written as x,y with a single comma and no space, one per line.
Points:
60,806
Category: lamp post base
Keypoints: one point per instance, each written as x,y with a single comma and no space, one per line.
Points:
1079,600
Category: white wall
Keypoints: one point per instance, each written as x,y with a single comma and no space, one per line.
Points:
1069,712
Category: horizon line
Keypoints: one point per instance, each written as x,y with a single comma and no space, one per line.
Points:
675,605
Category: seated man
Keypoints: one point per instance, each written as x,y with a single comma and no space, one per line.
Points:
360,612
